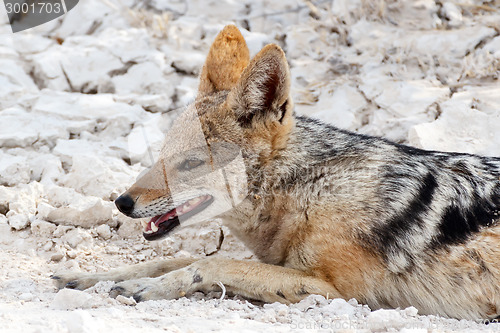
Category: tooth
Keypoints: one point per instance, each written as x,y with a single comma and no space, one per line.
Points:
144,224
154,228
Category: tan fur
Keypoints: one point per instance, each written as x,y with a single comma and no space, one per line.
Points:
218,73
306,238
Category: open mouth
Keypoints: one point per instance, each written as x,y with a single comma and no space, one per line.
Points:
161,225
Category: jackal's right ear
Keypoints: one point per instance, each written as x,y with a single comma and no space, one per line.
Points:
263,92
226,60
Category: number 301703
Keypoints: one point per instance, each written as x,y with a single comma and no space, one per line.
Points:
35,8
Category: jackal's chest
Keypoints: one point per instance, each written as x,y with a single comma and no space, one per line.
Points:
268,234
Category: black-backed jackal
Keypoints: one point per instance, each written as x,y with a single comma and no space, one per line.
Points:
325,210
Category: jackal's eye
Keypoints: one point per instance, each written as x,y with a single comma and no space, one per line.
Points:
190,164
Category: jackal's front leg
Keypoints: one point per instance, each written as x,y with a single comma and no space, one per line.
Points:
82,280
250,279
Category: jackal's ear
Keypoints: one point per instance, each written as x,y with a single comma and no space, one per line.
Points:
263,90
226,60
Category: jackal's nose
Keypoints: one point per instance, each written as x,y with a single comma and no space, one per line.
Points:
125,204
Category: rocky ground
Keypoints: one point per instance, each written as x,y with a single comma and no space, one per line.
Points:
84,97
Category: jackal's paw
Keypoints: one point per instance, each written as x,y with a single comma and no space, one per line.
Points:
141,289
74,280
169,286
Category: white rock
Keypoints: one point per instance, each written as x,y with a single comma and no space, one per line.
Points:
452,13
6,43
7,195
72,254
186,91
66,149
372,37
32,43
62,230
121,61
48,246
16,74
225,9
76,209
86,66
493,47
77,237
26,297
14,82
344,8
189,63
411,311
25,128
126,300
147,77
460,128
59,196
129,227
48,71
42,228
13,170
104,231
57,256
468,123
83,217
255,40
210,239
99,177
380,320
18,221
309,302
185,33
43,210
26,197
485,99
69,299
87,108
306,72
145,141
339,307
45,168
19,286
403,105
153,102
337,106
444,43
170,246
93,15
301,41
81,321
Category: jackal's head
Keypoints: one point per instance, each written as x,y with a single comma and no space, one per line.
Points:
239,123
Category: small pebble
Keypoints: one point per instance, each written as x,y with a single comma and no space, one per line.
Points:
126,300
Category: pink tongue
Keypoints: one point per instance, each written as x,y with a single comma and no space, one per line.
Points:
161,218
